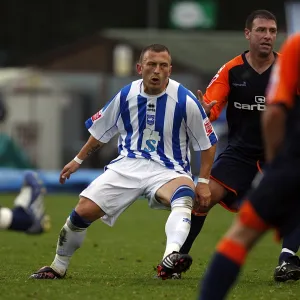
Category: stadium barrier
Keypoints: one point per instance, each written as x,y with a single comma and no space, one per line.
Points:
11,180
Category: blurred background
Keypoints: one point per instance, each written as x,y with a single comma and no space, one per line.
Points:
61,61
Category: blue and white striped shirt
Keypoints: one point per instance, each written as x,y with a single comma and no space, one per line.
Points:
157,127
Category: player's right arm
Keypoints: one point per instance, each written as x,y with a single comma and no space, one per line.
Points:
102,127
91,146
216,92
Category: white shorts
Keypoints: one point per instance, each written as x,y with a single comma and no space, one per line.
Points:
124,181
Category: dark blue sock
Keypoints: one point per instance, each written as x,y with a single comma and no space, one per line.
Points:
78,221
21,220
223,272
196,226
290,242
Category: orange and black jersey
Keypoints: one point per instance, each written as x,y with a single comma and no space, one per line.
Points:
239,86
284,88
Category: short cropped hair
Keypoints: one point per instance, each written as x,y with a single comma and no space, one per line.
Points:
155,48
260,13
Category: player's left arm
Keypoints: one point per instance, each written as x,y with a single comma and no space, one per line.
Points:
280,96
203,138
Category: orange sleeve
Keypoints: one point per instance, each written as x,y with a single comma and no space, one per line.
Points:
285,77
218,89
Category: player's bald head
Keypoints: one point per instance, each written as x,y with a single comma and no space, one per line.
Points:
154,48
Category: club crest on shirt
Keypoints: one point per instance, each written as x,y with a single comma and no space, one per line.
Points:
150,119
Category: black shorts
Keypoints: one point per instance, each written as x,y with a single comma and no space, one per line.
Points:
277,197
235,172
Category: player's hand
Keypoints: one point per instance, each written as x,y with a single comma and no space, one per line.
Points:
207,106
203,194
68,169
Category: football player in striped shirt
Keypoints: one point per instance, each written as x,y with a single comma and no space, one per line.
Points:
157,119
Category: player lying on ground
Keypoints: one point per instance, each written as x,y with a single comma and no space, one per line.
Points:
28,214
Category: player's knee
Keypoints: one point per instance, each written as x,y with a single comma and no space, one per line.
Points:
88,210
183,198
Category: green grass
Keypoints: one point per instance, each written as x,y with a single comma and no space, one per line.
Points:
117,263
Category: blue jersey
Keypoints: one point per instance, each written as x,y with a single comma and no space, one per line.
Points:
159,127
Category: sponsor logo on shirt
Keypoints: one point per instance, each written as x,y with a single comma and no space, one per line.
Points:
150,140
260,104
260,99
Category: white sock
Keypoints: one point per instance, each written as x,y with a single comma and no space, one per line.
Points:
69,240
6,217
177,229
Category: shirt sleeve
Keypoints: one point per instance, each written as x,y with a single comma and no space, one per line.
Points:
285,75
218,89
103,124
200,129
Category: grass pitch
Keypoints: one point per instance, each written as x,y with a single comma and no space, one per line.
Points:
118,263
